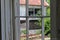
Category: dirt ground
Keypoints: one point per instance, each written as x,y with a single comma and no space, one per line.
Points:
36,39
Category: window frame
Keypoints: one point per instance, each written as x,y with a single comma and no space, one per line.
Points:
12,17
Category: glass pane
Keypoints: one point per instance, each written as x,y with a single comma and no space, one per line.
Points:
22,10
47,28
38,11
34,23
35,28
23,29
31,12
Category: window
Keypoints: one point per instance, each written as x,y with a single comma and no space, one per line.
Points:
34,11
11,22
27,23
22,11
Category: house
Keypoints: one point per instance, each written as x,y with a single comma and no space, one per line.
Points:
34,8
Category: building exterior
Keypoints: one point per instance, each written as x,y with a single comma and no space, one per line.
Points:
34,10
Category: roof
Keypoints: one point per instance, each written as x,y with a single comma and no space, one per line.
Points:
33,2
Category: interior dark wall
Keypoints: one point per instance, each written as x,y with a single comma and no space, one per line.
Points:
55,19
58,19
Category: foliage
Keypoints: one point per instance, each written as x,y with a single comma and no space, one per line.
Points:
48,11
24,31
47,26
48,1
46,21
38,31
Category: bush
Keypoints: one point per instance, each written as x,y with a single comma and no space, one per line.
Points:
46,22
47,26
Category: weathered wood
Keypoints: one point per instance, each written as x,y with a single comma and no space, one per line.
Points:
2,20
55,19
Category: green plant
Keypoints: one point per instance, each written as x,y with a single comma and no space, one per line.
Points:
46,22
23,31
38,31
47,26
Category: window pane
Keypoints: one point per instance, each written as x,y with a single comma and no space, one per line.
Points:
22,29
38,11
34,30
47,28
34,11
22,11
33,23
